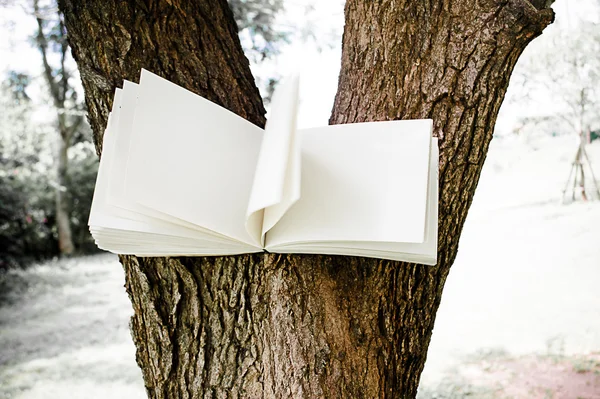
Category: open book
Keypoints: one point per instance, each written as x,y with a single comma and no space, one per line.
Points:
180,175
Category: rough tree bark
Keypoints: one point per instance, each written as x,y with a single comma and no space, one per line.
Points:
273,326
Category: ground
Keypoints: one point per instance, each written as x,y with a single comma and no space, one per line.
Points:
64,332
495,375
520,315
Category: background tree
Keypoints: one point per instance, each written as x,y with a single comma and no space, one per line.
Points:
566,70
268,325
24,231
256,25
28,231
51,36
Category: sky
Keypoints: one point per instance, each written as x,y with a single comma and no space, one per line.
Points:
317,60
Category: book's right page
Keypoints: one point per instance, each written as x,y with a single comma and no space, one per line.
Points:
364,186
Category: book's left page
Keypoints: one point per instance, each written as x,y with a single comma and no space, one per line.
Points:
118,148
117,224
191,159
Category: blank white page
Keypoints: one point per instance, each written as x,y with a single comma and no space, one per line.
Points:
360,182
116,211
191,159
425,252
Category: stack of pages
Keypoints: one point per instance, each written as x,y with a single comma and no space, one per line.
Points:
180,175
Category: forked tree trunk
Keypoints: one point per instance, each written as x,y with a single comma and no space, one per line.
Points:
279,326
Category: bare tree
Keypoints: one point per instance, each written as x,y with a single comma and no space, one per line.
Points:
306,326
51,32
255,19
565,70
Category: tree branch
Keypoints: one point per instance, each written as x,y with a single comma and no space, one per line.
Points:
64,48
43,47
70,130
541,4
535,14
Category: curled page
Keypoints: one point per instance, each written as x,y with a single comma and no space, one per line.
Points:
276,185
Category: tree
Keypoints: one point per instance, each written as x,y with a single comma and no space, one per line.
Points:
24,234
255,20
51,34
304,326
565,69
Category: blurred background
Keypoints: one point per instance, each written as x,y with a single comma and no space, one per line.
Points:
520,315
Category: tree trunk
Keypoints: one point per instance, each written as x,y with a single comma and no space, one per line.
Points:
57,85
63,222
279,326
